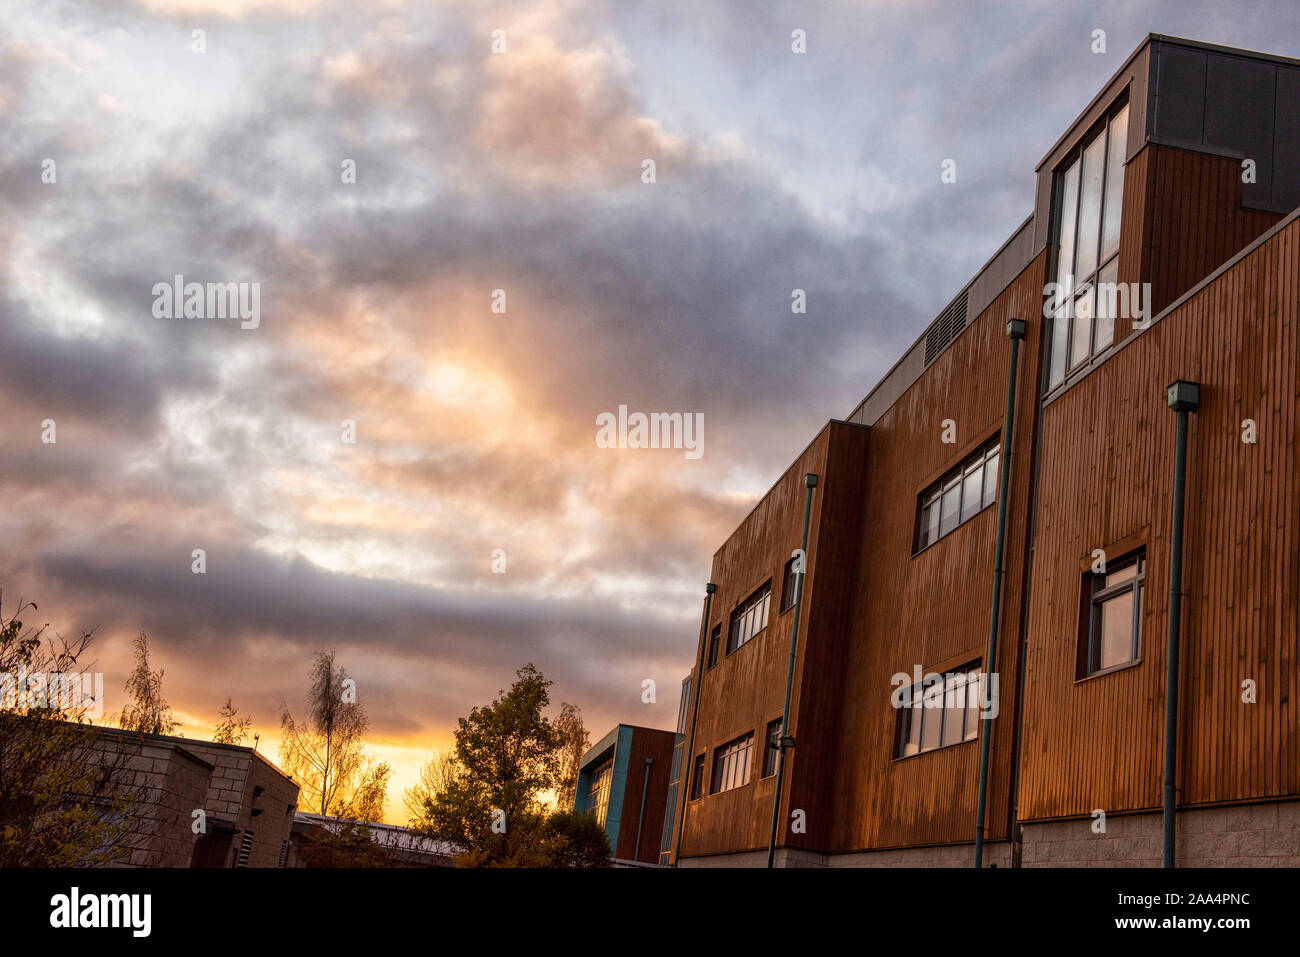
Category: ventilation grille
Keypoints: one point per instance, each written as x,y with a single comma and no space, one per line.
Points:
284,853
946,328
245,848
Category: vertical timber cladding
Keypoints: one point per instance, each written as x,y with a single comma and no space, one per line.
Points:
933,609
1193,220
657,745
1106,476
746,689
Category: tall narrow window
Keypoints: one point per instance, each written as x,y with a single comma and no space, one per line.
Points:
958,497
750,618
1089,203
714,639
789,587
683,706
773,748
1112,619
598,797
697,777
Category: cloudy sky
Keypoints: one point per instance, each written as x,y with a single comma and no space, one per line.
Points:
475,430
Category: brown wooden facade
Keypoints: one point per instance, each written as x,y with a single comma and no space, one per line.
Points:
1090,467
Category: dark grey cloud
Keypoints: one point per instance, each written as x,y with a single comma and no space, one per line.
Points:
522,172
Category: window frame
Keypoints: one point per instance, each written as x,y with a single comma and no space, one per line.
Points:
1084,287
715,639
696,790
762,595
1095,594
771,748
742,750
970,674
600,781
933,495
789,586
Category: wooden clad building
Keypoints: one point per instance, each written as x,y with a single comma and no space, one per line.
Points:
1162,246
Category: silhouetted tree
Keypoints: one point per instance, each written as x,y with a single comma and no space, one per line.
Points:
231,728
574,741
147,711
326,753
65,795
506,756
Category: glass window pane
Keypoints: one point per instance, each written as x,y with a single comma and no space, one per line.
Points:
932,520
914,729
951,505
991,478
1106,301
1114,182
1090,208
972,496
1115,630
1121,575
1069,206
1081,344
953,708
972,706
1060,336
932,717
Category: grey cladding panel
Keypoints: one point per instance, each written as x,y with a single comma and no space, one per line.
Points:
1239,112
1286,144
1180,95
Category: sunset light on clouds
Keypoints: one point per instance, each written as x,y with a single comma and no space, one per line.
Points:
475,430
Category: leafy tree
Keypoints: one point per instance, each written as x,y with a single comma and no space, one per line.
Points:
325,751
436,776
65,795
574,742
147,711
574,839
231,728
506,756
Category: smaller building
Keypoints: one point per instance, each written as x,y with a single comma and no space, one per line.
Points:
322,841
191,803
623,780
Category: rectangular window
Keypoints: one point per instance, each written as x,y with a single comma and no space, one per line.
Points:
731,764
959,496
938,714
773,748
697,777
789,587
1089,202
750,618
684,706
714,638
1112,619
598,798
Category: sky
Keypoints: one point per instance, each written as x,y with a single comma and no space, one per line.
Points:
129,156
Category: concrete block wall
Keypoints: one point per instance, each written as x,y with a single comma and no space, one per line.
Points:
941,855
273,826
237,774
177,789
1252,835
947,855
161,785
